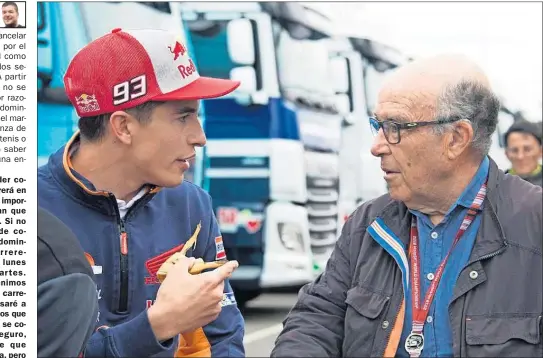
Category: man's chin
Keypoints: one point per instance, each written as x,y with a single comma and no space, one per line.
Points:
396,193
170,182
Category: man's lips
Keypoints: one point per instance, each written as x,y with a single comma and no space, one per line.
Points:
186,159
389,171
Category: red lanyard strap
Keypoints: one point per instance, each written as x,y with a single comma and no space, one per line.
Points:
415,341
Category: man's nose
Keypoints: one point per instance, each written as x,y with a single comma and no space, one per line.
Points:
380,145
198,138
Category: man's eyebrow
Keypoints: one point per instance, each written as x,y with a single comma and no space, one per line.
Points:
185,110
391,117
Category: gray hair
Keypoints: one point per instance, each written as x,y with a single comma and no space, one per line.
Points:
469,100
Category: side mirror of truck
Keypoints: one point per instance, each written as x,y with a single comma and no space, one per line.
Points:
340,77
343,103
247,76
241,47
339,70
247,93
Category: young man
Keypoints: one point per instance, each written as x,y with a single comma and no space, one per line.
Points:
524,150
118,184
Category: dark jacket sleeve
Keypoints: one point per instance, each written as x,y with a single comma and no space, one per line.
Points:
134,338
67,310
67,301
314,327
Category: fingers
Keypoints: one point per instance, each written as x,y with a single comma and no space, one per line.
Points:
183,265
200,266
220,274
176,262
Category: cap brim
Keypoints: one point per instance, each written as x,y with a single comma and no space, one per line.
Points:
202,88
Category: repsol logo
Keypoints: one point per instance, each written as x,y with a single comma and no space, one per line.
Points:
187,70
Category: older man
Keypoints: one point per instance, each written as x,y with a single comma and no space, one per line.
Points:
449,262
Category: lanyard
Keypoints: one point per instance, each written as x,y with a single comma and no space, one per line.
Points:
415,341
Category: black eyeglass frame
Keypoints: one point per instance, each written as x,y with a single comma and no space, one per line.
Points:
410,125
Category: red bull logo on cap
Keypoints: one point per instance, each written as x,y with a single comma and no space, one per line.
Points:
87,103
177,50
187,71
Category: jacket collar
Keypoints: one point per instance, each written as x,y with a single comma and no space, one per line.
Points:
78,186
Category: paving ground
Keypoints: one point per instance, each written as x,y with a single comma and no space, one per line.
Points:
263,317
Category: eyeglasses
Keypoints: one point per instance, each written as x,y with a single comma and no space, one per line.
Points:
392,129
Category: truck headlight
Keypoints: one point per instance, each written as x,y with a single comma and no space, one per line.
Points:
291,236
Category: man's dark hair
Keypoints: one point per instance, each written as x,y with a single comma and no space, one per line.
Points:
8,3
527,127
93,129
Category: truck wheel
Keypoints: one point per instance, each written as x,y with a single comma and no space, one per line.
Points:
244,296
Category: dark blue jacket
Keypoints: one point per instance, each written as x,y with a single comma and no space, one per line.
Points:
153,229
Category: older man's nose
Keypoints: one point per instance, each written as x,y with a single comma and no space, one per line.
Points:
380,145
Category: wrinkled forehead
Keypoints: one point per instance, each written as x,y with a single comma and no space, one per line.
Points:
405,103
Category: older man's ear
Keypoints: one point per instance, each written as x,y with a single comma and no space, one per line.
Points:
459,140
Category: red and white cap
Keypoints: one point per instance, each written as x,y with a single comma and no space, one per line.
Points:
126,68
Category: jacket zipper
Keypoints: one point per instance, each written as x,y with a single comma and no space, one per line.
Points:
123,244
123,237
488,256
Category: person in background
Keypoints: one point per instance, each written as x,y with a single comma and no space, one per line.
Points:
10,14
119,185
524,149
448,263
67,300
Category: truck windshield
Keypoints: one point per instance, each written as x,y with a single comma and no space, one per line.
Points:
210,41
303,66
102,17
210,46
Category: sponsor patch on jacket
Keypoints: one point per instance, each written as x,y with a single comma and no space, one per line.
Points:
97,270
154,263
219,246
228,299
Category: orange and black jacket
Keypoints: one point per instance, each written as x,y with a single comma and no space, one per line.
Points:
126,254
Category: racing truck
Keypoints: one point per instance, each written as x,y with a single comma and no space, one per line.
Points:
273,153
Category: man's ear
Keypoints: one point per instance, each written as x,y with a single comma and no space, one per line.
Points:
122,125
459,139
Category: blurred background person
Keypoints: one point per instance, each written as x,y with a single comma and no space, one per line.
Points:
524,150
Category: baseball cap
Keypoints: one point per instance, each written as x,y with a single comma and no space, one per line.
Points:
126,68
